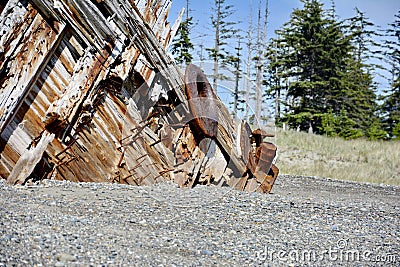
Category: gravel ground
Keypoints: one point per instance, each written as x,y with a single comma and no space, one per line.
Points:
306,221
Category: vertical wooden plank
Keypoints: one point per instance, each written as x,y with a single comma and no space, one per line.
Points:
31,57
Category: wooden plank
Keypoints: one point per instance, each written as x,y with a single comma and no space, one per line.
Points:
15,20
214,163
31,57
65,109
83,17
150,47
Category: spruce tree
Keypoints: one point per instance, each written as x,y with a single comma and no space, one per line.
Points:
307,43
360,88
236,61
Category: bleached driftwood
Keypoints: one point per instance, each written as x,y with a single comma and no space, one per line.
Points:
28,161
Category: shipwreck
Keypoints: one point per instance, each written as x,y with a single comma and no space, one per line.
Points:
88,93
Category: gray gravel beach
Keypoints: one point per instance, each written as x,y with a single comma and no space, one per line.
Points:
306,221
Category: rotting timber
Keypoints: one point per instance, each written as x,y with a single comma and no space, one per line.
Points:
88,93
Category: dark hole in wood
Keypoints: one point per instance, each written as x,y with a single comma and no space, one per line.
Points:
3,3
103,9
41,170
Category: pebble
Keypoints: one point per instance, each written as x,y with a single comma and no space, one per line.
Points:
65,257
206,252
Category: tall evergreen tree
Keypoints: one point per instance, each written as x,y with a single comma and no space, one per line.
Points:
182,45
307,64
391,104
224,31
237,93
276,76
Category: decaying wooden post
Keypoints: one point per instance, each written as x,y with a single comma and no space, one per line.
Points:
88,93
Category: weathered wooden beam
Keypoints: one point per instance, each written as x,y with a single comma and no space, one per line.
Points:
30,58
15,19
66,109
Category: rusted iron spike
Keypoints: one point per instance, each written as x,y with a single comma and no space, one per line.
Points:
165,171
65,149
132,171
139,129
259,135
141,157
156,142
60,160
177,125
139,163
121,158
141,179
66,162
129,176
198,90
161,173
66,154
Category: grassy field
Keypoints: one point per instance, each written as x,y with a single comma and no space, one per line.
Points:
357,160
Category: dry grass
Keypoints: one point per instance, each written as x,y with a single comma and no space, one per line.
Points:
358,160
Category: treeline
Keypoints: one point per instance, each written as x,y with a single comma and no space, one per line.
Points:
317,71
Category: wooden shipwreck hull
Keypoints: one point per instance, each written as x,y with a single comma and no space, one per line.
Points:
88,93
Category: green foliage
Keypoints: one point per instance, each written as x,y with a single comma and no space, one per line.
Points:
375,131
396,131
224,31
182,44
300,121
329,124
348,127
391,105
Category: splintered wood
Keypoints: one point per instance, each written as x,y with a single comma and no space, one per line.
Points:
88,93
